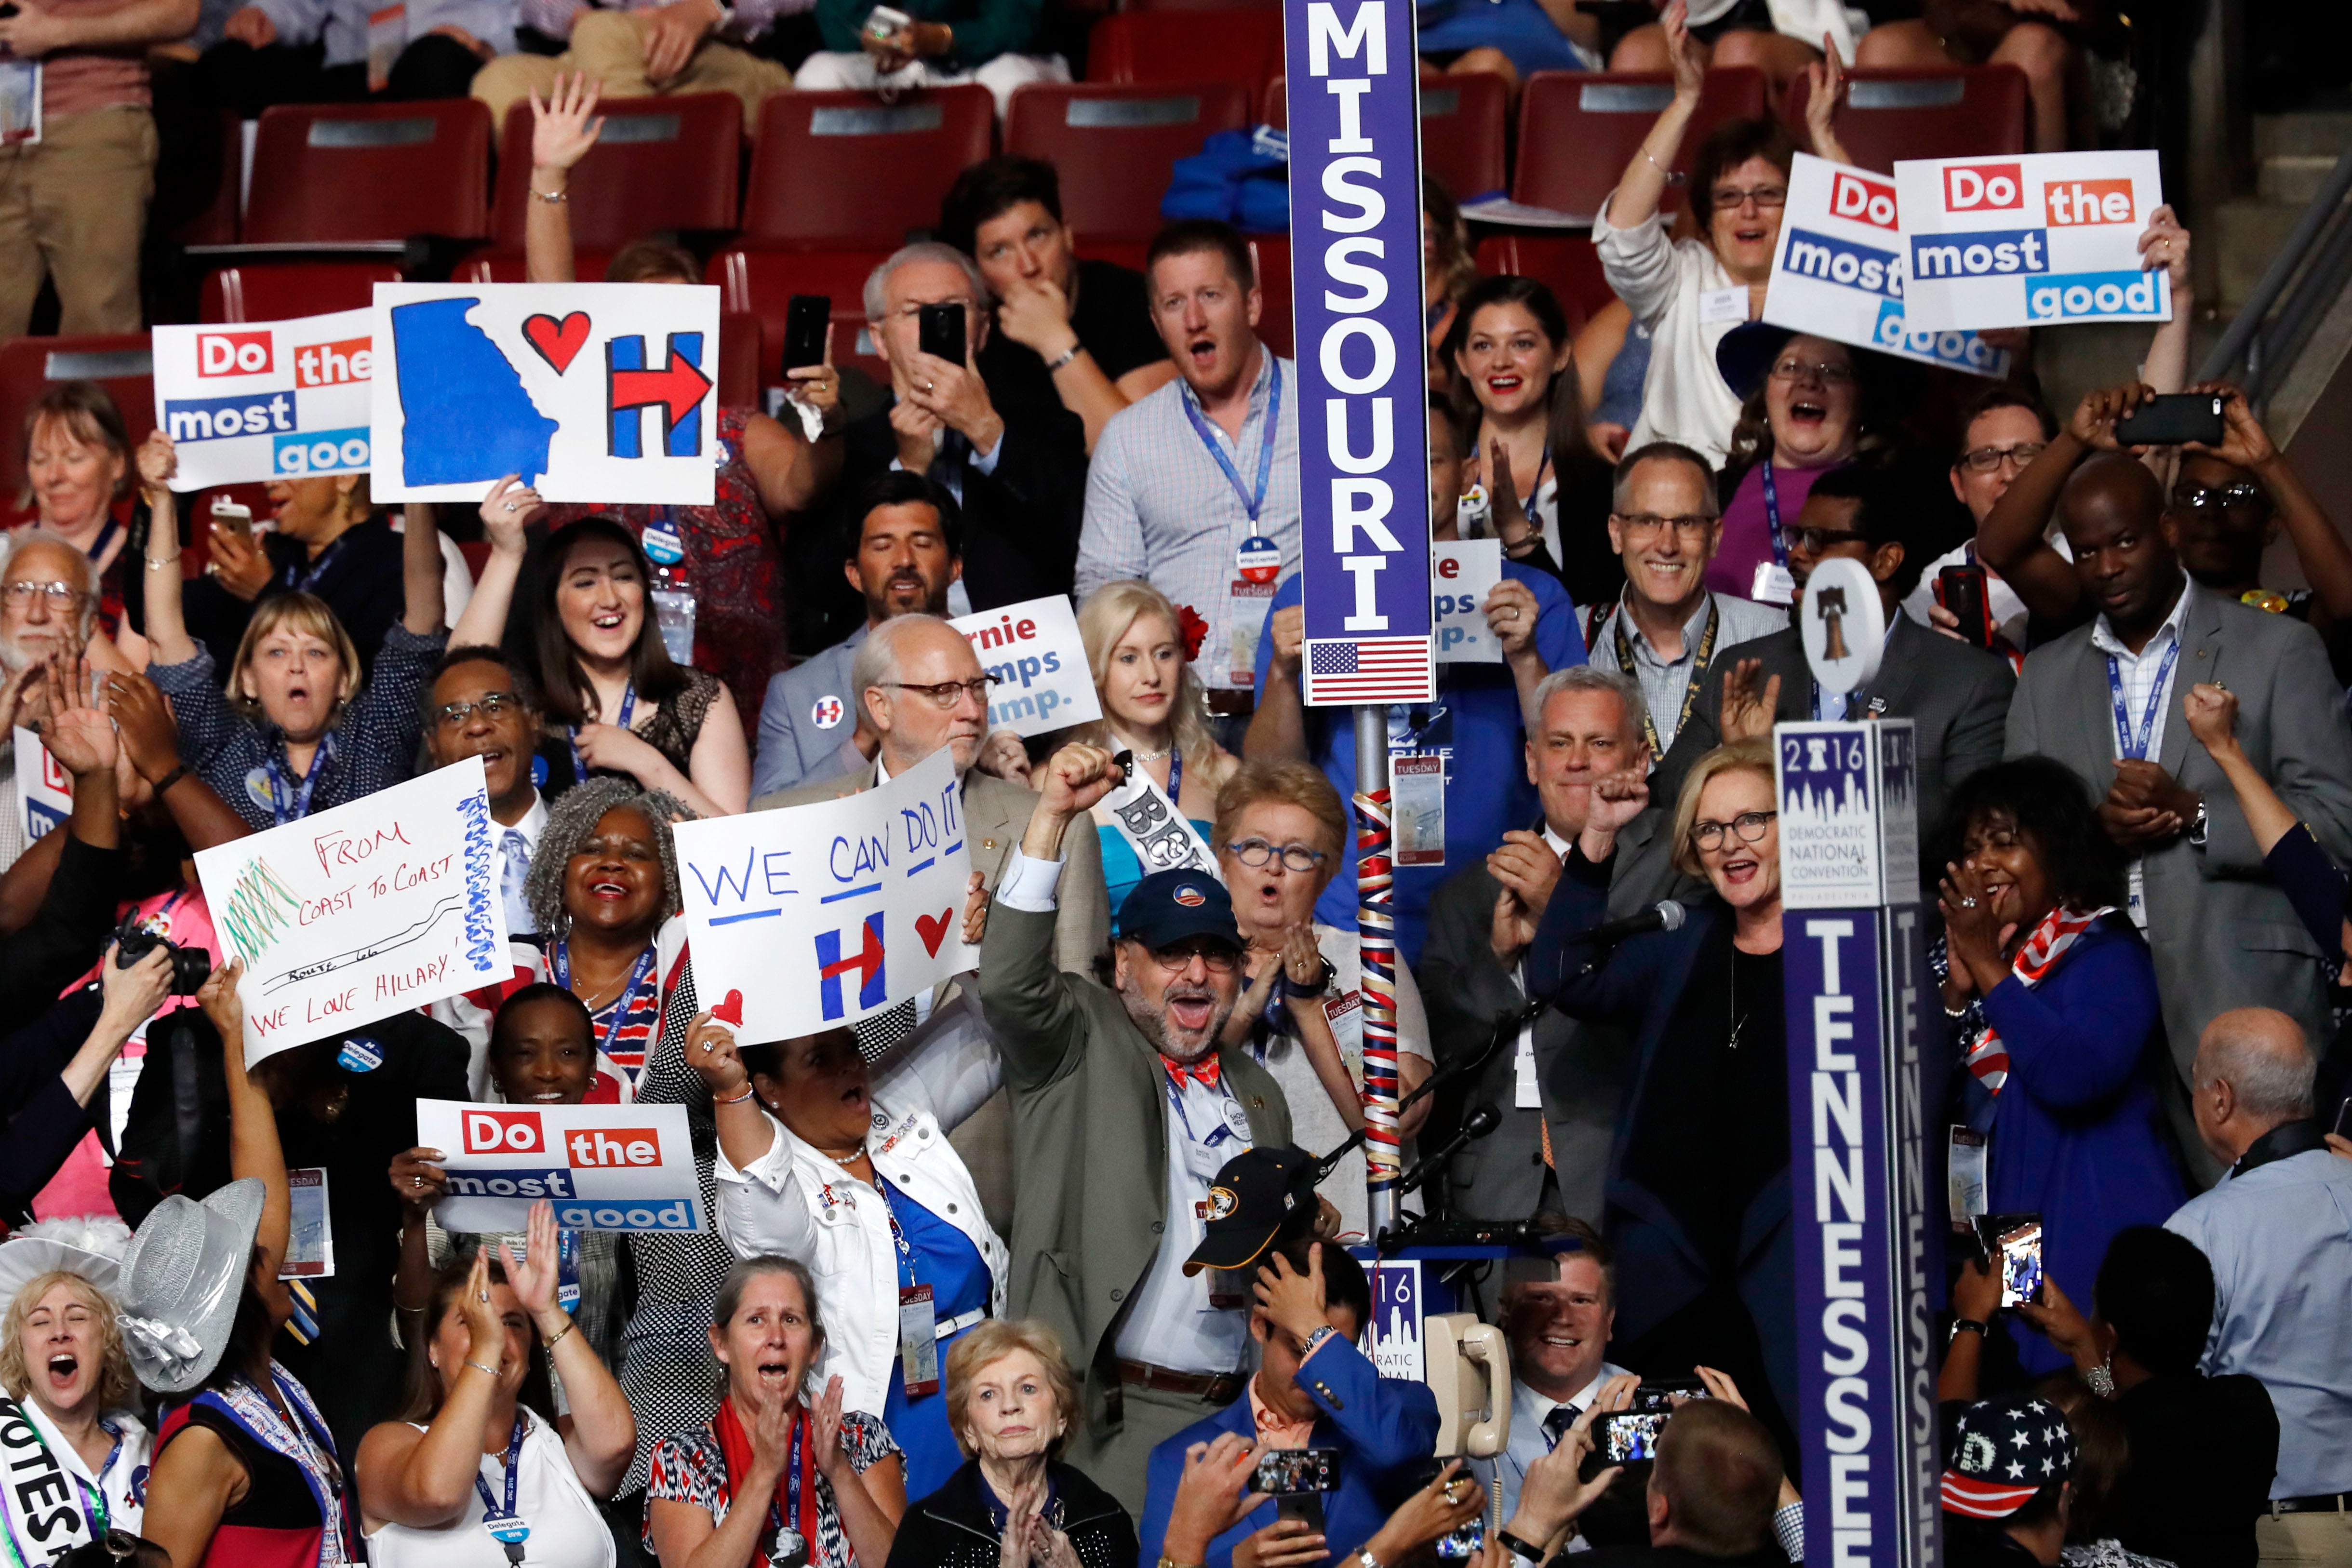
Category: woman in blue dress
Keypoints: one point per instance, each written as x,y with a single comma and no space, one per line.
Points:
846,1167
1138,647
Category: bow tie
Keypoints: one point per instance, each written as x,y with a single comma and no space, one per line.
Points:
1206,1071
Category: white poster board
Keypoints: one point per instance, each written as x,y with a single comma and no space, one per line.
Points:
363,910
603,1167
821,914
1462,574
44,788
1840,271
592,391
1039,661
267,400
2042,239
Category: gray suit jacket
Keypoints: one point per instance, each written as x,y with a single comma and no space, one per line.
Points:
1581,1070
796,745
1087,1099
1955,696
995,813
2223,935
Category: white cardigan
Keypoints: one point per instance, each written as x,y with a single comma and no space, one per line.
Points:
796,1203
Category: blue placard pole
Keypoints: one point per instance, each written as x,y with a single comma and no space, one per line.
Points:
1858,998
1353,80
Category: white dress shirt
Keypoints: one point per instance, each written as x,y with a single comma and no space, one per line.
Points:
2147,681
533,824
1529,1442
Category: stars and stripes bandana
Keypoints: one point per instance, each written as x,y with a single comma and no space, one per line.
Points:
2059,931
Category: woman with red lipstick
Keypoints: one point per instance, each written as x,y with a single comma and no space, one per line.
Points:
1515,382
2053,996
1152,706
1698,1171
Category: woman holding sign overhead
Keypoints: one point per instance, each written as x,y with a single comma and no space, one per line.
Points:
293,729
479,1472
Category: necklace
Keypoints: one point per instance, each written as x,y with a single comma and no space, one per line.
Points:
846,1160
1140,754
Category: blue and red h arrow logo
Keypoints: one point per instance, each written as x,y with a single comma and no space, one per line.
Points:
867,962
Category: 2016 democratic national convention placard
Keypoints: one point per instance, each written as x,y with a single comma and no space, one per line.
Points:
266,400
1841,271
815,916
595,391
2032,241
363,910
603,1167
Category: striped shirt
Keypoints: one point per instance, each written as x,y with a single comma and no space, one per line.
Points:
1158,507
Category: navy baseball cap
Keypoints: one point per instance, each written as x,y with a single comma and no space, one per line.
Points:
1259,1195
1170,907
1744,356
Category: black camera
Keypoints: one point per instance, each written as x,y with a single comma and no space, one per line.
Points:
191,966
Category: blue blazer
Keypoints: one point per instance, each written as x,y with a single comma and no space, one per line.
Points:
1660,987
1382,1428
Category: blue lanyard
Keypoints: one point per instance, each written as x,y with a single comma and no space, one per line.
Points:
506,1523
898,1236
1253,505
628,710
567,1267
561,963
776,1525
2127,743
301,581
1772,516
1217,1134
1535,518
1884,643
105,537
1176,778
290,802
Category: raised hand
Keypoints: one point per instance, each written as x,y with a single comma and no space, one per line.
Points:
418,1180
1824,88
824,1436
159,459
1747,712
223,1006
1078,776
486,1328
2164,243
1687,54
710,1052
2244,443
133,994
564,127
2212,714
2093,423
536,1273
506,511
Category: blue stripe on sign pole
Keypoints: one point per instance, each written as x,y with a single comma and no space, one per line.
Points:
1355,203
1854,970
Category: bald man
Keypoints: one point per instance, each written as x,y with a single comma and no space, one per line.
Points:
2278,1229
2105,699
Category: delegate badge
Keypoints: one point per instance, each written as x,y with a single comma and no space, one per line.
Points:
361,1054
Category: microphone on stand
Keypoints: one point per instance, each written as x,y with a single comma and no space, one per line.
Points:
1477,1124
1664,915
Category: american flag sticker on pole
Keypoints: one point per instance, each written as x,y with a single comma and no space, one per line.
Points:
1370,670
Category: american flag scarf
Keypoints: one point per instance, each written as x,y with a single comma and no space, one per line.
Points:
2059,930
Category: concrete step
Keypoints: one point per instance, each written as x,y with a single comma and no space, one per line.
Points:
2292,180
2305,135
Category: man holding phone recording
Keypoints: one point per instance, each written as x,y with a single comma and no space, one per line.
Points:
1314,1390
1557,1313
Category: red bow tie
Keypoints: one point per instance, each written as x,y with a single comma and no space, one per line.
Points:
1206,1070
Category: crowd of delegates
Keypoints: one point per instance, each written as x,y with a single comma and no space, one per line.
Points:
1099,1155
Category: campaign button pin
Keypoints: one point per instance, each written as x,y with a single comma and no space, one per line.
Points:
1259,559
361,1054
826,713
1191,897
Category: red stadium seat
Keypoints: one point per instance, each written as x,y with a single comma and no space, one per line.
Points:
1578,131
1959,112
504,265
1463,131
662,165
1566,263
30,366
1114,146
846,169
739,359
370,171
279,290
761,281
1243,46
1134,5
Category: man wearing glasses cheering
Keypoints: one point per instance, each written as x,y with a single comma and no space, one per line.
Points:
1128,1103
919,687
1955,696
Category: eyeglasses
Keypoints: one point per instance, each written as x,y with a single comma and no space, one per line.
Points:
2241,496
1747,828
61,595
1645,523
1984,459
1294,856
1219,958
1765,196
946,693
453,715
1815,540
1823,370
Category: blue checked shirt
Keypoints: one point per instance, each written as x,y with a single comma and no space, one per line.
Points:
1158,507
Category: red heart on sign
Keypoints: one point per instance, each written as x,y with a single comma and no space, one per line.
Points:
933,928
557,342
730,1010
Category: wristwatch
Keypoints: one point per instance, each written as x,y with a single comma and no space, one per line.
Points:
1971,1324
1321,987
1364,1559
1315,1339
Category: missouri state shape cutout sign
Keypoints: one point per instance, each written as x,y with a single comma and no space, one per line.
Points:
592,391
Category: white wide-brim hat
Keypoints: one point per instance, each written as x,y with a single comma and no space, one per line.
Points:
181,1280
